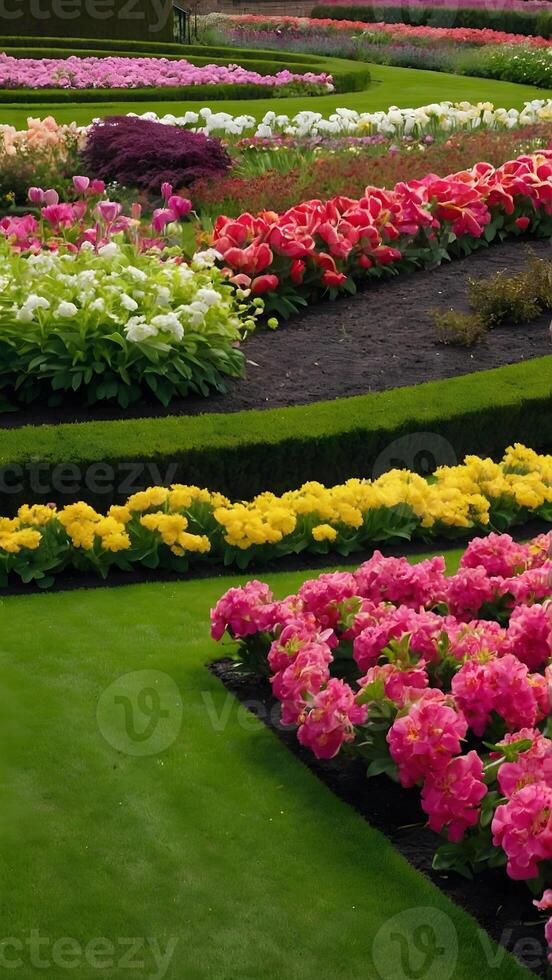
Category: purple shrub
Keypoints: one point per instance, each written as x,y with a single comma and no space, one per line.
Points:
140,153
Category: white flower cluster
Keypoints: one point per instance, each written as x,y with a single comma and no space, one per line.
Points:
430,119
116,292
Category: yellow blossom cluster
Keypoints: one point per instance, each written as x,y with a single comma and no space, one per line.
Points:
172,529
85,527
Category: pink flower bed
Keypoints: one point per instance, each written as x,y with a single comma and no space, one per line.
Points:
328,244
79,73
447,689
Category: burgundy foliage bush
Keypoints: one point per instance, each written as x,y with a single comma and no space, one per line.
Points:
139,153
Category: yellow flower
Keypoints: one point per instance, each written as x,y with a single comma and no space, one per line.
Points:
324,532
121,514
38,514
75,513
144,499
112,534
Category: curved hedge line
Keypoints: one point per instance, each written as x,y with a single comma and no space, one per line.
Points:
348,76
244,453
512,21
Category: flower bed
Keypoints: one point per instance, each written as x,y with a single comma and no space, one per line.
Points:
461,50
95,301
137,72
161,527
320,246
528,17
441,683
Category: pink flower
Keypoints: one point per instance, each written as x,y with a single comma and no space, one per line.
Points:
36,195
242,611
532,766
401,685
330,718
50,197
468,590
523,828
498,554
181,206
424,740
304,675
451,796
396,580
108,211
502,685
529,634
81,184
166,190
322,596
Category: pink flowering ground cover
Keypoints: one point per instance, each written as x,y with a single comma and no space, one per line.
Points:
118,72
441,682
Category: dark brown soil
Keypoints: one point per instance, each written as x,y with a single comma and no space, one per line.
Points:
501,906
381,338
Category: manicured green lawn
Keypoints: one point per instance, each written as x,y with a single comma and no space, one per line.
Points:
391,86
223,840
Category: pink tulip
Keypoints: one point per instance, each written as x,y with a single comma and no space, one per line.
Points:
166,190
97,187
109,211
81,184
161,218
136,210
180,205
36,195
51,197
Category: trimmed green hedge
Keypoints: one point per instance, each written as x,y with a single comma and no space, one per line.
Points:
513,21
245,453
124,49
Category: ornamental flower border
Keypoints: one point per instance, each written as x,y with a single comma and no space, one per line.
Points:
322,246
175,527
442,683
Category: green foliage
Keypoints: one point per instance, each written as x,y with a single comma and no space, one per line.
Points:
465,329
513,298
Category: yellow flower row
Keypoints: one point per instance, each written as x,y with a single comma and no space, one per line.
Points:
188,519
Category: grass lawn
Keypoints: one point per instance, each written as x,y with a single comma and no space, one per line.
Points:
391,86
222,840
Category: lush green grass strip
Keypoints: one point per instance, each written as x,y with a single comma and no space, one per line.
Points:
244,453
223,840
402,87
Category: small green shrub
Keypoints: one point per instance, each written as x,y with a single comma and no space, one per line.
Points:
462,329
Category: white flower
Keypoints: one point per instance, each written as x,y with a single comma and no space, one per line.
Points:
109,251
170,323
137,329
206,259
163,296
66,309
137,274
97,304
208,296
128,302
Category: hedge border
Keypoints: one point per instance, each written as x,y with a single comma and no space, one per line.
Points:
244,453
